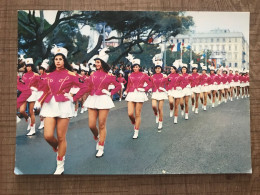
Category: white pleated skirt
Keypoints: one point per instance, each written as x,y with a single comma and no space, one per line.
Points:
232,84
175,93
159,95
33,97
196,89
99,102
226,86
39,94
242,84
74,90
237,84
57,109
213,87
136,96
205,88
187,91
220,86
247,84
123,86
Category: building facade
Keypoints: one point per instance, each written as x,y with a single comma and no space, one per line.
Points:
227,48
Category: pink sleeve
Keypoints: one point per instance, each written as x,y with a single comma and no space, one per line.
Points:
84,87
117,85
149,83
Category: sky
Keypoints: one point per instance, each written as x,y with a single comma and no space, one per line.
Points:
204,21
234,21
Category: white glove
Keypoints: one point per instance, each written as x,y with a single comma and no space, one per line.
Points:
106,92
124,94
221,83
178,88
150,90
141,89
37,105
33,89
161,88
215,83
188,86
67,95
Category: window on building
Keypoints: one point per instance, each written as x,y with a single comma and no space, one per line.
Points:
235,56
224,39
235,39
229,47
235,47
229,39
212,40
223,47
235,64
217,39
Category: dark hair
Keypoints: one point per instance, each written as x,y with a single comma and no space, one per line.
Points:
187,70
157,67
66,63
104,65
176,69
33,68
21,64
132,68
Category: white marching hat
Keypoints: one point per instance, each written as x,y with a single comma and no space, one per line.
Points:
28,61
203,67
82,67
59,50
184,65
236,70
201,64
194,66
121,72
230,69
22,58
45,64
134,61
176,63
211,68
74,66
102,55
224,69
158,63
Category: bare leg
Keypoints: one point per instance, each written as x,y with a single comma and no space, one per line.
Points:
62,128
92,121
131,107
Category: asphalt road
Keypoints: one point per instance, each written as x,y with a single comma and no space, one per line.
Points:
213,141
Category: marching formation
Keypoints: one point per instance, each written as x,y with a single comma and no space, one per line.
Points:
60,88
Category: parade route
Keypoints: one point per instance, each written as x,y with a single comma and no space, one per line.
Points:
213,141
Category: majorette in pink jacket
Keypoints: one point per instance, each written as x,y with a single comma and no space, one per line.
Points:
158,80
225,79
98,81
186,79
137,80
58,83
195,79
175,80
218,78
121,80
204,80
31,79
25,92
212,80
230,77
236,77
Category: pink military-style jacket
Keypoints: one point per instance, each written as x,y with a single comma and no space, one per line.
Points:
204,80
195,79
158,80
98,81
121,80
225,79
57,83
25,92
186,79
137,80
31,79
212,79
175,80
236,77
230,77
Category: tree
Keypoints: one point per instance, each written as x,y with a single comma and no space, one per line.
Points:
135,29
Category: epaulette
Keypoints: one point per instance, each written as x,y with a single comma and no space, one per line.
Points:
71,73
